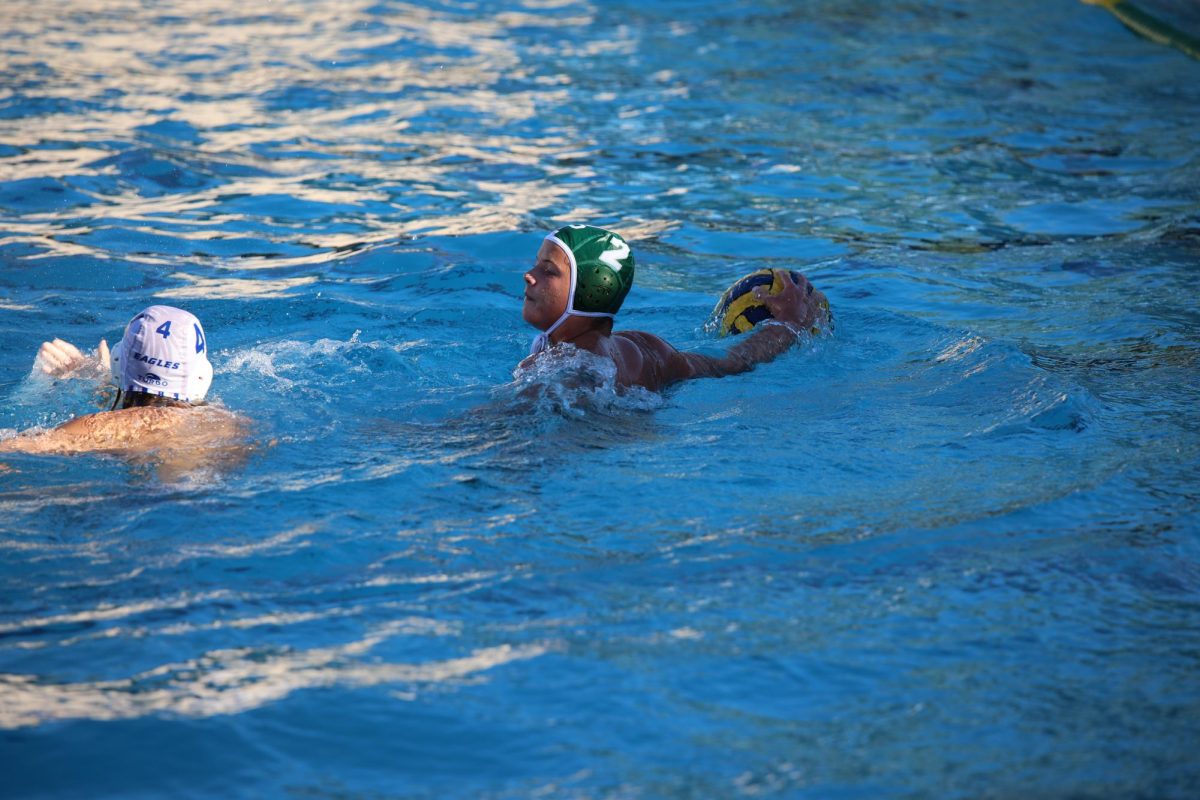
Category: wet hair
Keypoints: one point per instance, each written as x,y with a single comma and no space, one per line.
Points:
145,400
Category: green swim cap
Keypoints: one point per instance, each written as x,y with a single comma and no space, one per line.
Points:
602,267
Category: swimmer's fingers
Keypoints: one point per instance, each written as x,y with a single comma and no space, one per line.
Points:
815,303
795,284
803,285
102,355
789,304
72,354
52,356
58,357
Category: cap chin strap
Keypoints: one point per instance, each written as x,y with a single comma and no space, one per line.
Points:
542,340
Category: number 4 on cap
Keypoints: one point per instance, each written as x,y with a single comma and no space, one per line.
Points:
164,329
199,338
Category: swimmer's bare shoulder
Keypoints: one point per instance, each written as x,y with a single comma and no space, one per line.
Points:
643,359
649,361
135,429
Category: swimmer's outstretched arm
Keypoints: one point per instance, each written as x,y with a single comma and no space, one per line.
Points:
73,436
132,431
795,308
40,442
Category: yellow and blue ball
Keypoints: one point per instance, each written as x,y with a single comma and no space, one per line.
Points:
739,310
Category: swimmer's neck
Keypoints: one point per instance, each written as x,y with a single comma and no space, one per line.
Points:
583,332
126,400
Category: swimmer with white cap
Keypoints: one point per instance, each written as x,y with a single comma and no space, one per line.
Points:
162,376
581,277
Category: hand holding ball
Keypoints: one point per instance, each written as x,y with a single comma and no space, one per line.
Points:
744,304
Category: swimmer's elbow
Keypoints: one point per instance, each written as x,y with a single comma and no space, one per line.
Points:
696,365
734,364
742,357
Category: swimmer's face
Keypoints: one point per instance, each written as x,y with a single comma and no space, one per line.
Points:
547,285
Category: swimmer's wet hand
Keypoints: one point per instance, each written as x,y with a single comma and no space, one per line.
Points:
59,358
798,304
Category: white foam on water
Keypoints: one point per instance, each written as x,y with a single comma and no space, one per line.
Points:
569,381
289,363
256,362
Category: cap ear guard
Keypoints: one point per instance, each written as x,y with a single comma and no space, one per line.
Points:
116,356
201,381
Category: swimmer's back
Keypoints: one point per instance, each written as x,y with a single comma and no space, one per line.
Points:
135,429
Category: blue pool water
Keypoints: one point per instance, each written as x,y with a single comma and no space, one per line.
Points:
950,551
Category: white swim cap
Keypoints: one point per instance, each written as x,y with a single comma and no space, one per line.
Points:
163,353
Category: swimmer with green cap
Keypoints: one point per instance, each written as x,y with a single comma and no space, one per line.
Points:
581,277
